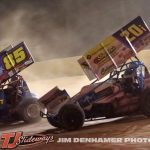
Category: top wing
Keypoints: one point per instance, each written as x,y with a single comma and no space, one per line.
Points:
117,48
14,60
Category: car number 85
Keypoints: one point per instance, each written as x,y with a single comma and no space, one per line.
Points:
14,58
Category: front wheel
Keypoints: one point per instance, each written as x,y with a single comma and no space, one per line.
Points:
71,117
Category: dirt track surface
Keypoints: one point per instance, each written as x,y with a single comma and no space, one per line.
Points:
137,126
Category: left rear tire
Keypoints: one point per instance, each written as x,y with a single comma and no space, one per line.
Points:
29,111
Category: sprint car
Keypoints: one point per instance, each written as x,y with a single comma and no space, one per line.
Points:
16,101
125,92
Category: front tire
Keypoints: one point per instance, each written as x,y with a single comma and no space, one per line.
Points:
71,117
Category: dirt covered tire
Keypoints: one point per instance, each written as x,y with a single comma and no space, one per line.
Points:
71,117
145,102
54,121
29,111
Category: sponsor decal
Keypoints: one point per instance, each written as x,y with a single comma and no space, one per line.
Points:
106,69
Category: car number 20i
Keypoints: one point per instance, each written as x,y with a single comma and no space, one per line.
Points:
133,32
14,58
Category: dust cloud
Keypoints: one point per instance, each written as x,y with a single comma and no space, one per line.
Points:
64,28
48,27
64,73
58,29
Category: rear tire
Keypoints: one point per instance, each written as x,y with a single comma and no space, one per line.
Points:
71,117
29,111
145,102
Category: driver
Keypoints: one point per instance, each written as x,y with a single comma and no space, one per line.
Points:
14,89
132,79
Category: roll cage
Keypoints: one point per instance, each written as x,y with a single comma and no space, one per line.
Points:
123,68
130,66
